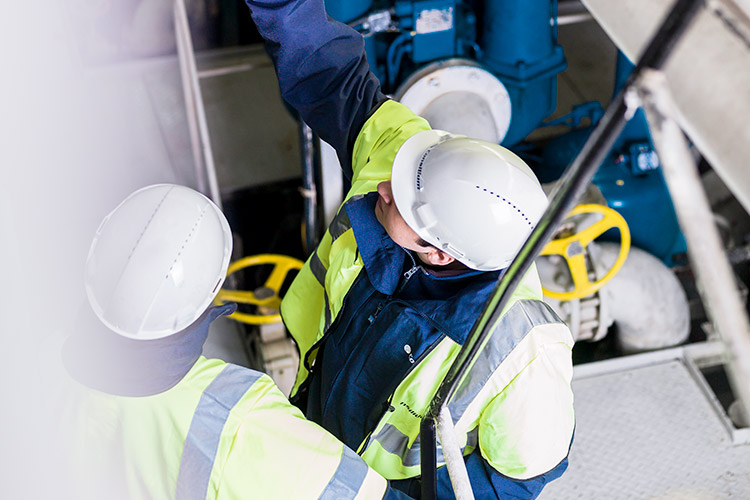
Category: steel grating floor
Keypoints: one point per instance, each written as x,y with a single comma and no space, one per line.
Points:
650,432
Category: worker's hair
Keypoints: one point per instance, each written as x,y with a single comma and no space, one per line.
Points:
423,243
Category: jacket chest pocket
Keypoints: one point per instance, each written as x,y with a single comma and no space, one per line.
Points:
400,338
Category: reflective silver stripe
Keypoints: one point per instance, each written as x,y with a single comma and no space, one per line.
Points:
318,269
394,441
348,478
327,311
206,427
338,227
511,329
340,224
472,438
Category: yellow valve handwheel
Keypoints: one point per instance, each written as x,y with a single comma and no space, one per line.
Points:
267,296
572,249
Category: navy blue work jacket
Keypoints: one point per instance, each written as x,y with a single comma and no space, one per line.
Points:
334,92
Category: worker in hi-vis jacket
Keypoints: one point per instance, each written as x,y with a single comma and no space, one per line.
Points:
149,416
384,303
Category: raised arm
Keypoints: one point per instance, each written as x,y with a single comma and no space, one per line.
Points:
322,69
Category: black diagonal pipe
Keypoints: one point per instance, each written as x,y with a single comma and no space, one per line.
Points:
428,457
572,185
311,182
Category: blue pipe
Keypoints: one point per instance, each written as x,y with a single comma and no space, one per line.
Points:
520,46
517,32
395,54
346,11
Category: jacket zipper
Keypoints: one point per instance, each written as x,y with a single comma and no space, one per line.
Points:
303,386
408,274
389,402
371,319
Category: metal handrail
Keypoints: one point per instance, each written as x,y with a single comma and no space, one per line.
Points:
712,268
197,123
570,188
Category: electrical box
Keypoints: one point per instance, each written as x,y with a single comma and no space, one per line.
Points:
435,30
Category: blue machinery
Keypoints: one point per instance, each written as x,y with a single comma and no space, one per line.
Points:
630,179
516,43
514,40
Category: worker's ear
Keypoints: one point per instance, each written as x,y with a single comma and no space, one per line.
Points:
438,258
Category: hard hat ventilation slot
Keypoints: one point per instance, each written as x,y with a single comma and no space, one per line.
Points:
419,168
510,203
187,238
148,222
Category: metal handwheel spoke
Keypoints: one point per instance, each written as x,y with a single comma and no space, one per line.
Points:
556,247
578,271
597,229
239,296
267,296
278,275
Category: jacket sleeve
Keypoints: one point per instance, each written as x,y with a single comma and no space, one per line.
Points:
322,69
274,452
488,483
525,432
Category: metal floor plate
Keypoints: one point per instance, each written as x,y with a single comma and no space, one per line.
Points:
650,432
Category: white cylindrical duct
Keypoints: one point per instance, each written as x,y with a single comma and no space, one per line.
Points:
646,301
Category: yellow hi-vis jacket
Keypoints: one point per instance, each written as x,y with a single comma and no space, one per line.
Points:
516,404
223,432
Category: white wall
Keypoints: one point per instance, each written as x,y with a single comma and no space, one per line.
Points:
74,141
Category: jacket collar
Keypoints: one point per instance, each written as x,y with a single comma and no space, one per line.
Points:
103,360
382,257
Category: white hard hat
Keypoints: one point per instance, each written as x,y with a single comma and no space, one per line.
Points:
157,261
474,200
